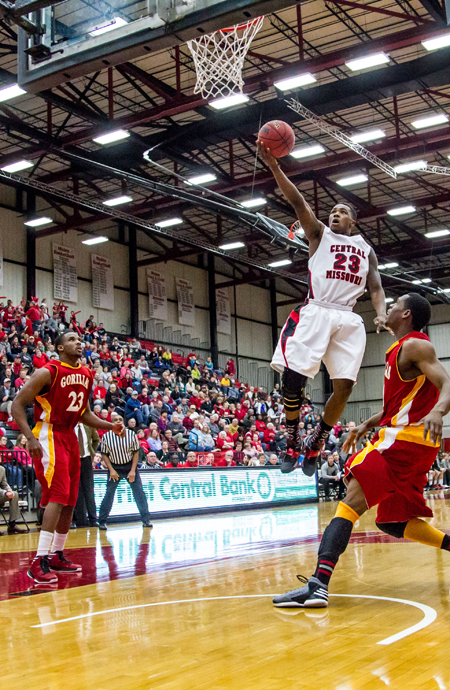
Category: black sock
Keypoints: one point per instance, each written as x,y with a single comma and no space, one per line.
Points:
321,432
334,542
446,543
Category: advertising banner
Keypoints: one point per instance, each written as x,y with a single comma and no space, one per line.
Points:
175,490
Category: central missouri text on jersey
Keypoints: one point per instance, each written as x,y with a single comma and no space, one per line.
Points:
338,271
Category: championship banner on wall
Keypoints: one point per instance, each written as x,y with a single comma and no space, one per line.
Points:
172,491
186,308
102,283
65,284
223,311
157,296
1,260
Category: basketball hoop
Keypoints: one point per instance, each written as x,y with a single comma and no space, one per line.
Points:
219,59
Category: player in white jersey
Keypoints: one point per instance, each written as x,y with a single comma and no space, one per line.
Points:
325,329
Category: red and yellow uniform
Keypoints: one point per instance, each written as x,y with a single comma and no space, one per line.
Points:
57,411
392,470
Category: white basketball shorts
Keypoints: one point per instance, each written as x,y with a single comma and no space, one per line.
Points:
314,334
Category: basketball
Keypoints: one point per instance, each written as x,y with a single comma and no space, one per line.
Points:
278,137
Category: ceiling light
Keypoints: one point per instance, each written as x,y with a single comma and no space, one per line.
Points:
416,282
228,101
389,299
293,82
251,203
95,240
355,179
368,136
305,151
430,121
426,280
435,43
401,210
232,245
421,280
445,290
118,200
437,233
278,264
381,267
202,179
9,92
408,167
17,167
117,135
37,222
169,222
369,61
109,26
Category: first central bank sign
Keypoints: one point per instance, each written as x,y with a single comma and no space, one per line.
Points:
172,490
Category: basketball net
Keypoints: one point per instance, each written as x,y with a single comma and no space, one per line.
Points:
219,59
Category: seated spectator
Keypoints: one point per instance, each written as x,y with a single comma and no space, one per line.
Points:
209,459
8,495
164,454
268,438
7,395
261,459
143,442
154,441
172,442
331,475
177,429
174,461
224,441
256,443
272,460
133,409
40,359
206,440
226,461
195,436
153,462
100,392
191,461
249,450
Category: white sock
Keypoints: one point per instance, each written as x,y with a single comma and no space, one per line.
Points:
45,541
59,541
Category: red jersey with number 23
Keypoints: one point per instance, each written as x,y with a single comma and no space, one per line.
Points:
67,397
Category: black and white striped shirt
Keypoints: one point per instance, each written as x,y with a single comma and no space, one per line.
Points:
120,450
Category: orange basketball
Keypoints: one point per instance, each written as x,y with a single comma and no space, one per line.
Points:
278,137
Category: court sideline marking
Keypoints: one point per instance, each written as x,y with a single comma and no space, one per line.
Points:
430,614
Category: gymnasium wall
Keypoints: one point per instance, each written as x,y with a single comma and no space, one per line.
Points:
250,340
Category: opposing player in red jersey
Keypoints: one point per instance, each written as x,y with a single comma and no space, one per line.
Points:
390,472
60,391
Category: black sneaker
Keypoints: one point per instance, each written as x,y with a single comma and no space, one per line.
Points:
290,461
147,523
313,595
102,525
311,451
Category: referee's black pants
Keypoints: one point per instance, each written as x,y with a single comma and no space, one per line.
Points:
136,488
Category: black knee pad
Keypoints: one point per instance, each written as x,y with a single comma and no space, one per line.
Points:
394,529
293,385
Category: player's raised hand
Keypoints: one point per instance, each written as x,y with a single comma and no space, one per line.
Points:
433,423
352,439
119,429
266,156
380,322
34,448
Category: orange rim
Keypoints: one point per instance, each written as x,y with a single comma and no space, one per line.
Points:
239,27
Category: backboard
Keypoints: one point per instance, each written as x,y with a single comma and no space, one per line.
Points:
79,37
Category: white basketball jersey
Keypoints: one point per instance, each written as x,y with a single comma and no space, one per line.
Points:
338,270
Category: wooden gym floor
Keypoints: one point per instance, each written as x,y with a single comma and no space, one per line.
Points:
188,606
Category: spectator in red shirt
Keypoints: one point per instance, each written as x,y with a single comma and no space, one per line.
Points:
33,313
226,461
268,440
240,412
260,424
230,367
40,359
100,392
191,460
256,443
188,422
143,441
222,443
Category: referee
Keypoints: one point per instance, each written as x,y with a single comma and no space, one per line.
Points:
121,456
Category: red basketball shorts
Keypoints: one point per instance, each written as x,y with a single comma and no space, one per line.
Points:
393,471
58,471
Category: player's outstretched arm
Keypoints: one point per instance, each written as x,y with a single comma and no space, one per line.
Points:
38,381
376,292
311,225
420,354
90,419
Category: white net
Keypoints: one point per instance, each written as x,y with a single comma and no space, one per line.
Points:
219,59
